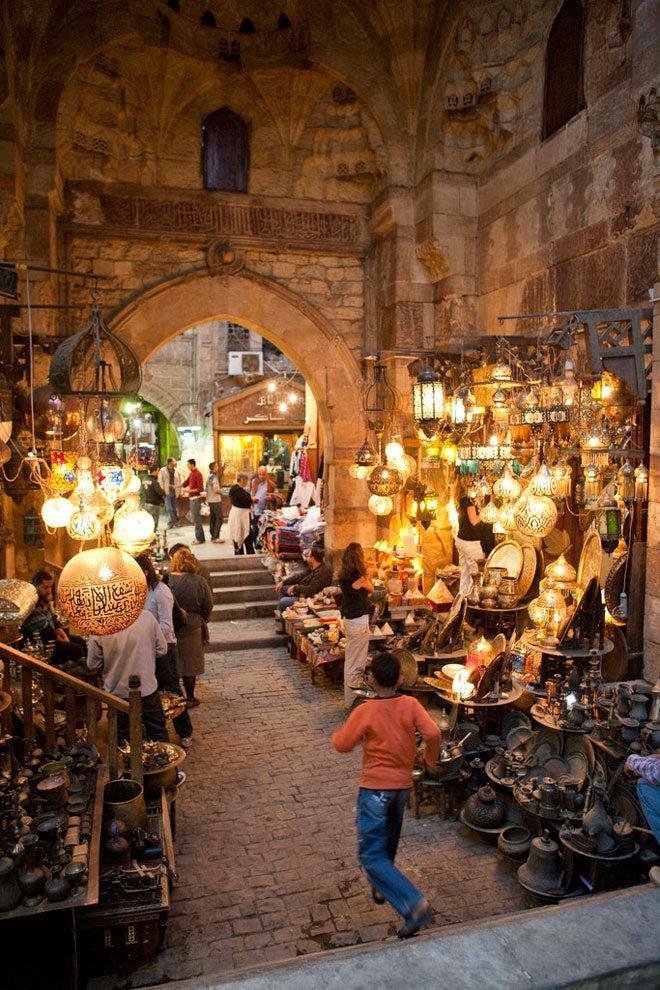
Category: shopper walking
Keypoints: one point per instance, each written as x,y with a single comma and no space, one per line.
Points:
160,602
170,480
240,516
261,488
193,595
214,500
133,651
154,496
386,727
355,609
194,483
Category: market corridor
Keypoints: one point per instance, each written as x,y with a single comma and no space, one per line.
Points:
266,839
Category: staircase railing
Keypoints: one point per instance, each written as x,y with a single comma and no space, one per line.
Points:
57,682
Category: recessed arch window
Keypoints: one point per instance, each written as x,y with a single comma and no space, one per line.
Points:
247,26
283,22
208,19
226,151
564,68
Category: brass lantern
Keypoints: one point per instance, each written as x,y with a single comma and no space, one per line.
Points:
385,480
95,362
366,455
428,399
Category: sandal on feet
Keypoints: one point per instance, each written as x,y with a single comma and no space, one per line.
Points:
377,896
421,917
192,702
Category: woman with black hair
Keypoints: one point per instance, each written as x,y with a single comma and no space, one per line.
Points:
355,610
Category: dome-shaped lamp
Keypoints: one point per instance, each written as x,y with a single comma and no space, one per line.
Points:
542,482
95,362
101,591
385,480
56,512
507,485
490,513
359,471
535,515
394,450
366,455
380,505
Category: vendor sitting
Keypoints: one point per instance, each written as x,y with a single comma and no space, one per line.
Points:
647,768
43,623
309,583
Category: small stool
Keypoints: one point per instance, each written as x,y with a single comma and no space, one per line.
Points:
442,789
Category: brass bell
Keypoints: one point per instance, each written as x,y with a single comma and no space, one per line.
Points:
542,873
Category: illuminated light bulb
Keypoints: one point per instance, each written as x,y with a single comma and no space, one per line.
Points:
394,451
380,505
458,412
105,572
359,471
293,398
282,407
57,511
568,384
493,440
460,685
271,386
133,531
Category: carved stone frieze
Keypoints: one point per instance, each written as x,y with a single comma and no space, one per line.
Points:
431,255
249,222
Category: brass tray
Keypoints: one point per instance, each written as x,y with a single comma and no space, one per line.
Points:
526,578
590,559
508,555
614,585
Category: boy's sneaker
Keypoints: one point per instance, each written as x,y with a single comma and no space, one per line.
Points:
421,918
186,742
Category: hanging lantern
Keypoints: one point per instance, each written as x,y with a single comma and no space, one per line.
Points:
405,465
56,512
542,482
105,425
366,455
506,517
95,362
62,477
359,471
101,591
95,503
561,571
490,513
499,403
112,480
591,484
552,606
535,515
625,479
380,505
55,415
501,372
84,525
568,384
449,452
385,480
394,450
134,485
428,398
133,528
507,485
561,479
595,449
641,475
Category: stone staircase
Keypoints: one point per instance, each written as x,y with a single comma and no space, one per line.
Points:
244,601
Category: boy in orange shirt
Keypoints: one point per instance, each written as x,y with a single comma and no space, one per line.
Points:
386,726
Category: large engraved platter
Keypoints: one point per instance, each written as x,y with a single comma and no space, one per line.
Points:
528,570
508,555
590,559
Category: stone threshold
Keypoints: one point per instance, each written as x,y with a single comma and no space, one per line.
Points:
611,940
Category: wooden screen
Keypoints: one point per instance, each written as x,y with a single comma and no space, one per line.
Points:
564,94
226,151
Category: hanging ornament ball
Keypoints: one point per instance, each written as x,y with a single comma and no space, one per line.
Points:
96,503
134,485
405,465
359,471
394,451
57,511
133,529
366,455
84,525
535,515
380,505
101,591
112,479
105,425
54,415
385,480
489,514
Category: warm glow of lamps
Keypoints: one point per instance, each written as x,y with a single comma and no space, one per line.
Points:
101,591
561,571
359,471
480,654
460,686
394,451
490,513
507,485
84,525
57,511
271,386
542,482
535,515
428,397
380,505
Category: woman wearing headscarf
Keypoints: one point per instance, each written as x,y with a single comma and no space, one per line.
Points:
193,595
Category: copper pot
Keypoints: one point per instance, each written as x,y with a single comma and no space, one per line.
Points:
124,799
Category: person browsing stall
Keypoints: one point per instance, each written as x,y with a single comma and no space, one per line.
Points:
306,585
355,610
133,651
386,727
194,483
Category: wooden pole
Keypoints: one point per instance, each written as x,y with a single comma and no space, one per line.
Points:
135,727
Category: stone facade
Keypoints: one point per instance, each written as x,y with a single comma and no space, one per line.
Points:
399,194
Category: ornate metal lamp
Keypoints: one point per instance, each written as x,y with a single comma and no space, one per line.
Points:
94,362
428,401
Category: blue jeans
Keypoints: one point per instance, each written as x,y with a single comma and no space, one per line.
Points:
649,798
170,505
286,601
379,821
196,513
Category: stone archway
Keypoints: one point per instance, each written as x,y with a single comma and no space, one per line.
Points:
303,334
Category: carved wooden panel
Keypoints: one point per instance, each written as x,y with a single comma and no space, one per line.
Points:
226,151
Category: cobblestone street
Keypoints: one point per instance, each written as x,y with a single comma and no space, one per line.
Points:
266,836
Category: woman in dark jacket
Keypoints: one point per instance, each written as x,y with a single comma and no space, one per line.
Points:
192,593
240,516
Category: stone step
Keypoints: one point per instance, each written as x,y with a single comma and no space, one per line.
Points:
263,642
242,610
244,562
242,579
246,593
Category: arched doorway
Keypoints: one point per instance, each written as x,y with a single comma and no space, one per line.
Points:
303,334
